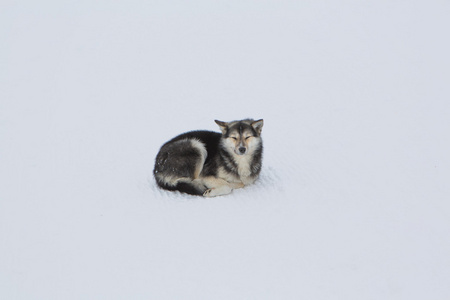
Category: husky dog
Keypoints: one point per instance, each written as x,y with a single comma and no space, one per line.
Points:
209,163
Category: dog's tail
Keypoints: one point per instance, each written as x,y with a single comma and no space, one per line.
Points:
186,186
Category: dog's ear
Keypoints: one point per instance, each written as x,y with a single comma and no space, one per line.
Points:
223,126
257,125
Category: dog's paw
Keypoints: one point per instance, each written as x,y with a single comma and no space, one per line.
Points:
217,191
208,193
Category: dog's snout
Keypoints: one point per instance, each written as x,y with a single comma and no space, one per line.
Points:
242,150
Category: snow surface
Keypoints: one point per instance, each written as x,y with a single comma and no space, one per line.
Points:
353,199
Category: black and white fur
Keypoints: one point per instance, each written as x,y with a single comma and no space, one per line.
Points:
209,163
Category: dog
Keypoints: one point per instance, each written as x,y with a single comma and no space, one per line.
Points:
209,164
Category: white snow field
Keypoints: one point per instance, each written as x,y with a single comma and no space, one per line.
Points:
353,201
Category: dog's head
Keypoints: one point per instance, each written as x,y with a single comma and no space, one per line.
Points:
242,137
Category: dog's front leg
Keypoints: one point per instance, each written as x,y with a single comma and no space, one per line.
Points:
237,185
216,187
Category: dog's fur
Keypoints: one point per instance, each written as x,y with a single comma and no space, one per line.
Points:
209,163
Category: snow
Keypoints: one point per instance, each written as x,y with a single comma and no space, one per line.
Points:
353,199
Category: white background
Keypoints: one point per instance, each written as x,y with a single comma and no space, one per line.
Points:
353,199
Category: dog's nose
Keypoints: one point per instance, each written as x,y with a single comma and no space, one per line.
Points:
242,150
